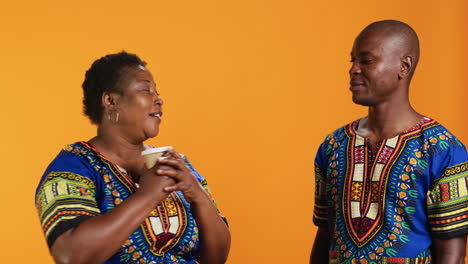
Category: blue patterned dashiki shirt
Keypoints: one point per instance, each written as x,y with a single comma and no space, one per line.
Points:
384,204
81,183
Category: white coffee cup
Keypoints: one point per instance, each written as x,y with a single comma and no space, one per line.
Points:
151,155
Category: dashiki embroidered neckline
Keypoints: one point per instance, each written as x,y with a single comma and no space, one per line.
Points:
366,181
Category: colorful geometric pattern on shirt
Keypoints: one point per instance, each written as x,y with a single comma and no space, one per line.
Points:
322,189
321,203
163,229
165,224
391,260
448,201
168,235
395,187
366,183
336,259
65,196
205,186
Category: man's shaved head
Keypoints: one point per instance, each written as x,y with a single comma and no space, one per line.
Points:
394,28
384,57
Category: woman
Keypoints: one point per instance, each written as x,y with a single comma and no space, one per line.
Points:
98,203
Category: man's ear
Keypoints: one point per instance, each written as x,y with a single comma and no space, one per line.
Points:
407,66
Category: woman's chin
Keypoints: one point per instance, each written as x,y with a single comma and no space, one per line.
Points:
152,134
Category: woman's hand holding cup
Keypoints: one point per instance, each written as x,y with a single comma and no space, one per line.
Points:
150,180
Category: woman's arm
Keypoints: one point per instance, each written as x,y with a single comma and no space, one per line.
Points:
98,238
321,246
449,251
215,238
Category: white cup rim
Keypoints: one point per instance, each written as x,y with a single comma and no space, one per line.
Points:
155,150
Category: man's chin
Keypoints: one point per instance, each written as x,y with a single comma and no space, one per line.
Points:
362,101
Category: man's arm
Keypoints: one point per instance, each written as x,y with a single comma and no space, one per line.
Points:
449,251
321,246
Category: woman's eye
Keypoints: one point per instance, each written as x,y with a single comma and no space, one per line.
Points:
150,90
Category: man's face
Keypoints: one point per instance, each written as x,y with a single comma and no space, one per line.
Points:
375,66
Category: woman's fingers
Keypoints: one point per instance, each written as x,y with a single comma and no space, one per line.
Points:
175,154
175,162
169,171
174,166
181,186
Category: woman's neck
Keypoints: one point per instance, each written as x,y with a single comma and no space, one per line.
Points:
116,146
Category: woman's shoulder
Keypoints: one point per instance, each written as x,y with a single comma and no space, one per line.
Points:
74,156
75,160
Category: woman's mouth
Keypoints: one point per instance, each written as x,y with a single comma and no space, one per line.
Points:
156,114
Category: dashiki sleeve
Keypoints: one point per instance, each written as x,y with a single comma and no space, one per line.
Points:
447,200
66,196
204,184
321,204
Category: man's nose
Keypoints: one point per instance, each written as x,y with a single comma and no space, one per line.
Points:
355,69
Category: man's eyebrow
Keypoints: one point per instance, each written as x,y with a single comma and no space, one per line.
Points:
362,53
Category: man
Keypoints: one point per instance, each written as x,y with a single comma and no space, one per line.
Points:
390,187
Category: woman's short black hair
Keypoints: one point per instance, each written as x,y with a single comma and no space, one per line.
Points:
103,77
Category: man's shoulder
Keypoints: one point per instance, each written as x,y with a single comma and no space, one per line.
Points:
432,127
340,132
436,135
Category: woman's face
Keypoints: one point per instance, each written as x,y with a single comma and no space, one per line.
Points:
139,105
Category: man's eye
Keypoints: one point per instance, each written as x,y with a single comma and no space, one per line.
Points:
368,61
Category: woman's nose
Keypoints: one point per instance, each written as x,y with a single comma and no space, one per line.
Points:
159,100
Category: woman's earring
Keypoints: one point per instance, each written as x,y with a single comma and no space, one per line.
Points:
111,118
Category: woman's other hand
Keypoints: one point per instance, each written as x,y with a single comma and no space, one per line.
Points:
174,167
215,238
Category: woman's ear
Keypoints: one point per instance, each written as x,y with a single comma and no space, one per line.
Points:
108,100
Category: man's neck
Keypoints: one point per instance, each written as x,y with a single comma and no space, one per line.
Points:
388,120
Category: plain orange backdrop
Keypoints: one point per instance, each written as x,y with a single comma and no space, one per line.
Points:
251,88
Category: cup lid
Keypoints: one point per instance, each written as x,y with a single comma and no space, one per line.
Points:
155,150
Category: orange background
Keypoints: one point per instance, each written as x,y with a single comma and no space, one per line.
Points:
251,89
